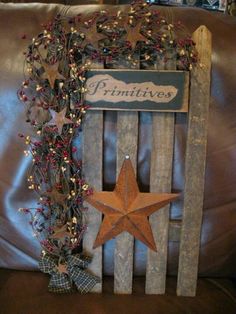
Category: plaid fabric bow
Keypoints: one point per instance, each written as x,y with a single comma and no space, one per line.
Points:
75,273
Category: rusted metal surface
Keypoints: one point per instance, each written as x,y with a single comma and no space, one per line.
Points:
127,209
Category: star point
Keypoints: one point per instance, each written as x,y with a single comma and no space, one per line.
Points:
51,73
92,36
59,119
134,35
56,197
60,233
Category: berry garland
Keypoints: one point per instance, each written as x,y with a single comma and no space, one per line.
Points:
54,94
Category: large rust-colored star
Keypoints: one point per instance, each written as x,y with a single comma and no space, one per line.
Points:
59,119
51,73
126,209
92,36
133,34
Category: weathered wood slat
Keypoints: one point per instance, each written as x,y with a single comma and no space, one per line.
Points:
160,181
92,167
195,166
161,170
127,140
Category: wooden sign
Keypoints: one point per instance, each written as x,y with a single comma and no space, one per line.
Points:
138,90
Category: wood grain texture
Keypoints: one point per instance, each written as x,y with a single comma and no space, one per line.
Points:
92,168
195,166
127,140
160,181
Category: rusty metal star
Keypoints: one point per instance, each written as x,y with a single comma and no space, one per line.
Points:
60,233
59,119
127,209
92,36
133,34
56,197
62,269
51,73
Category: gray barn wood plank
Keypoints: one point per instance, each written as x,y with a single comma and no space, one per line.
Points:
195,166
92,168
160,181
161,171
127,141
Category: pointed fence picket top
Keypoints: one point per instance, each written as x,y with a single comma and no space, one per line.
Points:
195,165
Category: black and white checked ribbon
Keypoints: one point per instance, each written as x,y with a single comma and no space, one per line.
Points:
76,274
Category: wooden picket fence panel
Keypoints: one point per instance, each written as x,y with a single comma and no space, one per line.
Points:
163,124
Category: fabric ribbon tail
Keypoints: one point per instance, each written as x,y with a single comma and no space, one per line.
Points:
60,283
47,264
83,280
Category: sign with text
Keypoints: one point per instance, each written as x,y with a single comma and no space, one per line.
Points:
138,90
